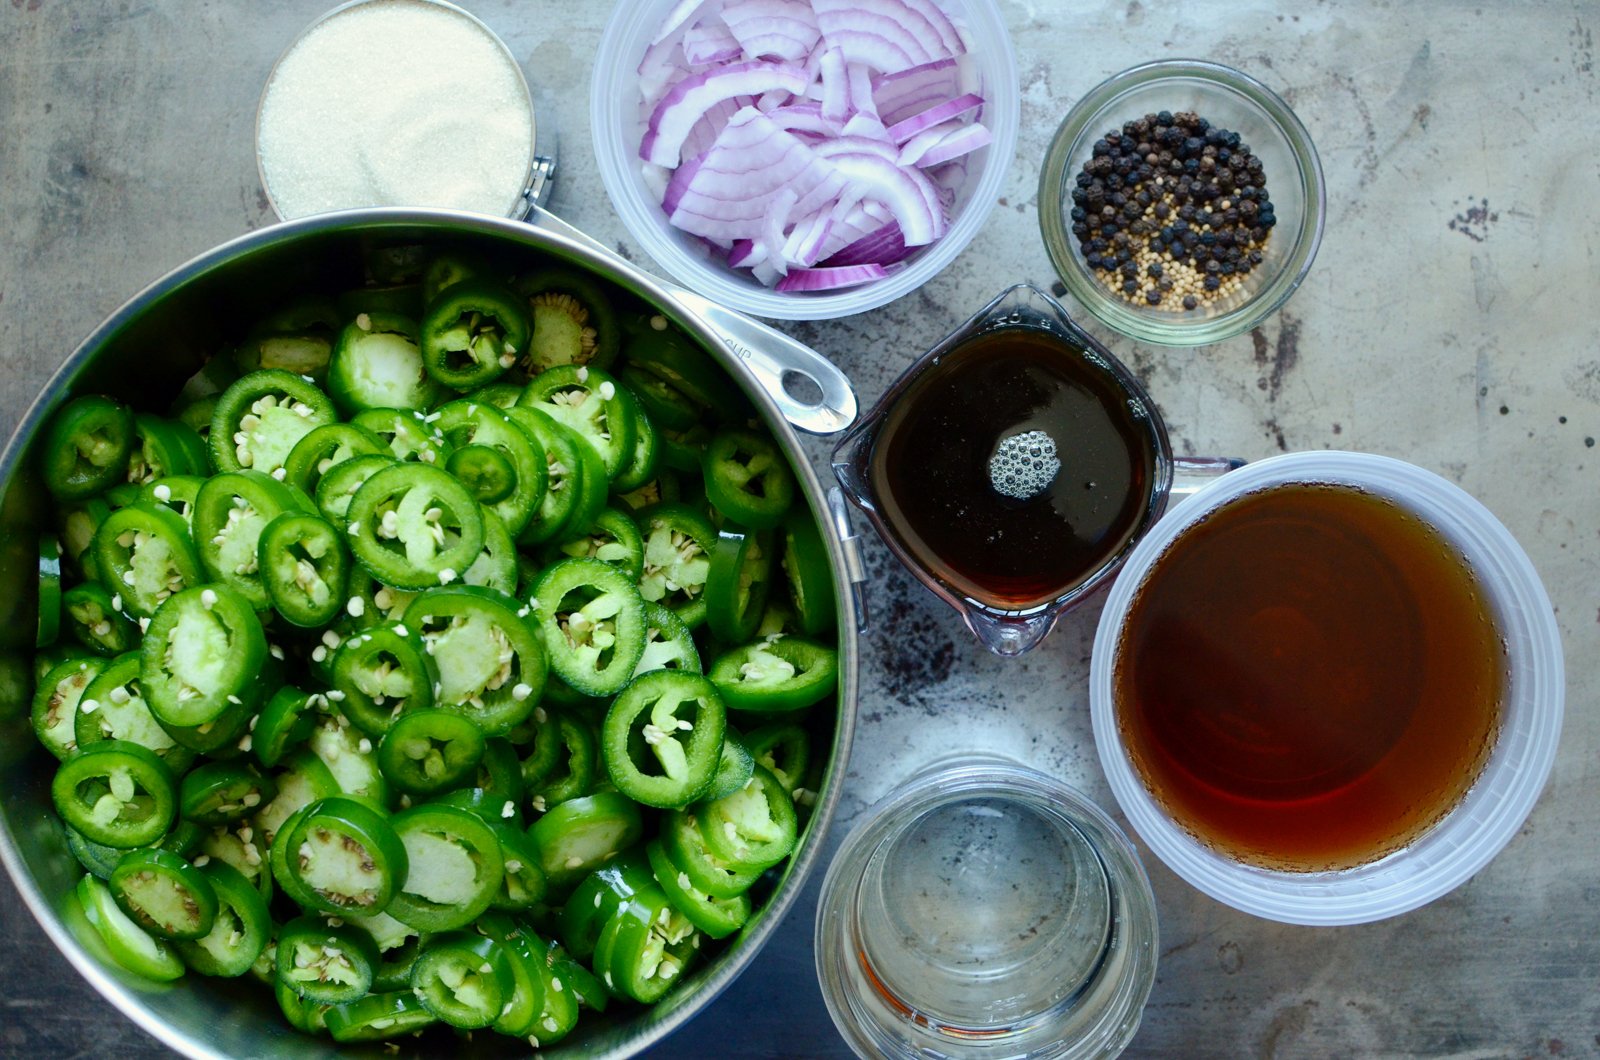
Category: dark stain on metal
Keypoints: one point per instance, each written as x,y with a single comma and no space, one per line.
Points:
1474,221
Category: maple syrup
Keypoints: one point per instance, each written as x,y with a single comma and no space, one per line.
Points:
940,467
1309,678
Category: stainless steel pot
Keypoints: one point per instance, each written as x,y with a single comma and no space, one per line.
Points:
157,339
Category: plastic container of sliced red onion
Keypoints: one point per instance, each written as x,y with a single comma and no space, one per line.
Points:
804,159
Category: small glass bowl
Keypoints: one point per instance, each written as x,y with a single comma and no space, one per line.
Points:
986,910
1224,97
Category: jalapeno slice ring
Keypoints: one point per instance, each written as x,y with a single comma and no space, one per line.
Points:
457,868
116,793
413,527
491,665
261,416
593,405
143,554
164,894
340,857
86,448
662,738
202,654
592,618
472,332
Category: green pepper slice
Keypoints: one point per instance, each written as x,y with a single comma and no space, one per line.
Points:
645,461
239,933
784,749
55,704
340,857
575,491
378,1017
413,527
115,793
325,448
398,947
128,944
596,898
717,917
324,963
560,1013
86,448
573,321
377,364
308,1017
524,885
582,834
501,464
284,724
810,576
472,332
302,780
457,868
525,1003
776,675
686,848
164,447
260,418
671,356
219,793
646,946
178,492
464,978
678,545
612,538
491,666
164,894
669,644
592,618
496,566
304,568
562,763
297,339
338,487
230,513
80,520
662,738
429,751
737,583
755,827
239,847
734,767
114,707
143,554
402,298
747,478
409,435
659,399
203,653
382,672
593,405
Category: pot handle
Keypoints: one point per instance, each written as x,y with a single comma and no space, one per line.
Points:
780,364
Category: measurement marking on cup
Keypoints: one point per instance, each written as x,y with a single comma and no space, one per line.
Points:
744,352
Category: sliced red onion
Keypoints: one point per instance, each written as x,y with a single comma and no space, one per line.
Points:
859,79
902,94
956,143
847,225
804,115
804,246
835,89
773,224
883,245
829,279
912,150
705,131
745,252
901,131
867,127
753,159
909,195
689,99
771,101
656,178
946,30
710,41
779,29
679,182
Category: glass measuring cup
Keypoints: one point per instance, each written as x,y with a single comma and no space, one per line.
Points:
1005,624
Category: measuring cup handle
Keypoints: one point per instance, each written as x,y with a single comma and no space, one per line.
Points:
1189,473
778,362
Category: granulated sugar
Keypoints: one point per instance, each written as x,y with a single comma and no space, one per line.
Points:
395,103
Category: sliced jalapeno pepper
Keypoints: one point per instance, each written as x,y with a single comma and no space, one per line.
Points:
381,672
659,399
662,738
596,898
239,847
48,601
55,704
737,583
671,356
297,339
428,751
308,1017
593,405
592,619
747,478
325,448
338,487
113,707
178,492
164,447
496,566
734,767
810,576
219,793
491,665
397,950
686,848
378,1017
304,568
402,298
240,931
414,526
717,917
340,857
612,538
644,461
324,963
164,894
203,653
572,977
525,1003
143,554
775,675
524,885
303,780
562,763
116,793
575,491
560,1013
663,489
784,749
79,523
472,332
678,544
284,724
573,321
456,868
501,464
410,435
669,644
230,513
129,945
582,834
464,978
646,946
86,448
260,417
377,364
684,451
753,828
